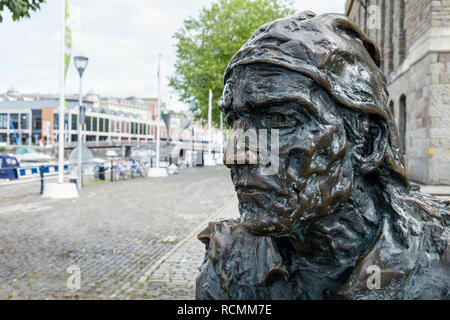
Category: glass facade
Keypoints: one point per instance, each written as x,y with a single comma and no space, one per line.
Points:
28,126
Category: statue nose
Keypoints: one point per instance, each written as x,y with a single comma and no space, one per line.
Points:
242,145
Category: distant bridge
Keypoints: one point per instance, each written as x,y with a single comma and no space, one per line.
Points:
127,144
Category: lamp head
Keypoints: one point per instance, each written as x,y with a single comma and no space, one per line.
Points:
80,64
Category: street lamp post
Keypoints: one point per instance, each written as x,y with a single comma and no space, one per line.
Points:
81,65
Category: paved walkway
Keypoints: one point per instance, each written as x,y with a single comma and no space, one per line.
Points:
173,276
436,190
115,233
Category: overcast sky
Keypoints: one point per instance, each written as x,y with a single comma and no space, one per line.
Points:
121,38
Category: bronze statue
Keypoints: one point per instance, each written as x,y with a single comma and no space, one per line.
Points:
339,218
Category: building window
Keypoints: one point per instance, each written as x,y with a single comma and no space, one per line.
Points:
391,35
12,139
56,121
3,137
4,121
94,124
106,125
15,121
88,123
402,38
402,123
25,138
101,125
36,119
24,121
74,122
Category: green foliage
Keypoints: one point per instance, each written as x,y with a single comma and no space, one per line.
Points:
20,8
206,44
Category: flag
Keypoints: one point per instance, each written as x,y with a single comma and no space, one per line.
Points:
67,41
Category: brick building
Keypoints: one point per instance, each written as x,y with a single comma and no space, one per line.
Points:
414,40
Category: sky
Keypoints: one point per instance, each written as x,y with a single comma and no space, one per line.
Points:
122,39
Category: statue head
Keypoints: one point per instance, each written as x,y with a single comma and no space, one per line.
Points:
311,89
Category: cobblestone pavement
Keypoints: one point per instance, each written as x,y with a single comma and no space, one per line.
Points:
173,276
134,239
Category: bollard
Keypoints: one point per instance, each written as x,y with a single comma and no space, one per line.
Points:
41,171
101,172
112,175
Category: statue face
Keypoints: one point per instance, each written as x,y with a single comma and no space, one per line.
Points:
313,175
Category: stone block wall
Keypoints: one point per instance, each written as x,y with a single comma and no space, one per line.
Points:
416,61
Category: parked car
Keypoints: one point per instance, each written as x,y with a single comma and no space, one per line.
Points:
8,167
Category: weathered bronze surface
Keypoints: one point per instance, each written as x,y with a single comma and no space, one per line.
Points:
340,205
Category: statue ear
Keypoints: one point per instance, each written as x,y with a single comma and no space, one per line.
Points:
370,152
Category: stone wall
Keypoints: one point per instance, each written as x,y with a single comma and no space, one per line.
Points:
414,39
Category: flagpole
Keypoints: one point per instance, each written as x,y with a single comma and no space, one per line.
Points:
210,123
158,128
61,190
61,98
221,135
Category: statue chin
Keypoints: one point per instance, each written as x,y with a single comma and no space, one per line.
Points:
263,214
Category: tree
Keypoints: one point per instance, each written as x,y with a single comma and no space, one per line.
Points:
20,8
205,46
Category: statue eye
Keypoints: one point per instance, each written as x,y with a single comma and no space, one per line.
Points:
279,120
